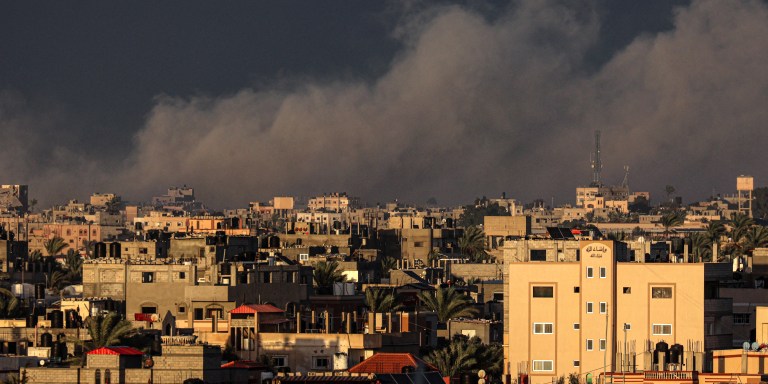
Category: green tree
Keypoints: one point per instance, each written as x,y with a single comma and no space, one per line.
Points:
455,359
10,306
739,226
669,190
387,265
474,214
756,237
670,220
382,300
74,265
448,303
54,246
58,280
326,274
106,330
760,203
472,244
701,247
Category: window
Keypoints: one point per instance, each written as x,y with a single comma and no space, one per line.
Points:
182,309
542,365
542,328
198,313
602,272
320,362
590,345
290,277
576,363
498,296
590,273
602,344
267,277
148,309
142,251
589,307
741,318
213,312
303,256
538,255
627,326
661,292
418,244
182,275
627,290
576,326
279,361
147,277
603,307
662,329
543,292
576,289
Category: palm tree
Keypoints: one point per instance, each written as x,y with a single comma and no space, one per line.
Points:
756,237
670,220
9,305
106,330
74,264
715,230
326,274
381,300
448,304
457,357
58,280
433,257
54,246
740,224
472,244
387,265
701,247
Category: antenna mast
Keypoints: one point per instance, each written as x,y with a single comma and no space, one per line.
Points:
625,183
597,165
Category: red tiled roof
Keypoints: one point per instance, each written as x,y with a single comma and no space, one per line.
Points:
248,364
116,351
254,308
390,363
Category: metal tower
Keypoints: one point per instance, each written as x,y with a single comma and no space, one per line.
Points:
597,165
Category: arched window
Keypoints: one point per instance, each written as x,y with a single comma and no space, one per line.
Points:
97,376
107,377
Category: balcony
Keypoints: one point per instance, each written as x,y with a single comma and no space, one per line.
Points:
718,307
670,375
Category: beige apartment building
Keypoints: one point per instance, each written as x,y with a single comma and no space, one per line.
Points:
574,316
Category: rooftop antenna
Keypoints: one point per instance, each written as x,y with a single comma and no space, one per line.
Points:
597,165
625,183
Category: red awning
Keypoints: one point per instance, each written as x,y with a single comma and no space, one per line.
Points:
116,351
256,308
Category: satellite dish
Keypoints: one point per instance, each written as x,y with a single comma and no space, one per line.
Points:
481,373
41,362
755,346
745,346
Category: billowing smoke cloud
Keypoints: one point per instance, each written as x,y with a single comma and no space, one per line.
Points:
475,106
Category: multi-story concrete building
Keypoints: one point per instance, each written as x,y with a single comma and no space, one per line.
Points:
336,202
581,314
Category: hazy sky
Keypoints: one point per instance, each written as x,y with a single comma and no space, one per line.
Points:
384,100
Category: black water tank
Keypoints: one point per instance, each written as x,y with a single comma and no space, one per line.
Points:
676,354
62,350
100,250
39,291
225,268
663,348
46,339
57,319
115,250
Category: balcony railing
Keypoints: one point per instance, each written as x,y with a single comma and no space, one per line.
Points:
669,375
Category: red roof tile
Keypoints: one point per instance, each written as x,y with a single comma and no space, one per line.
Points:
254,308
390,363
243,364
116,351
